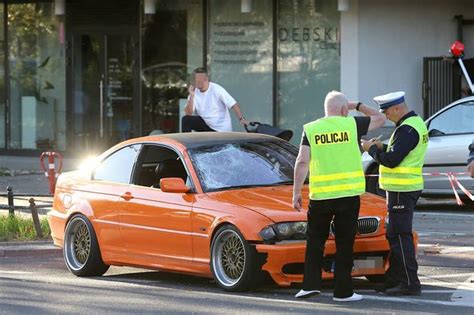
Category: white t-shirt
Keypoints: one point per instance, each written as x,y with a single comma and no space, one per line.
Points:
213,106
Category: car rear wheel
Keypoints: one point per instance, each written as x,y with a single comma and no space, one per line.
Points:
233,260
81,250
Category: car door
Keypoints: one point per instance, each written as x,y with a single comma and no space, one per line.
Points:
110,176
450,131
156,225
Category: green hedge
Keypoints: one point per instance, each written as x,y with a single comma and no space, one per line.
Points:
21,228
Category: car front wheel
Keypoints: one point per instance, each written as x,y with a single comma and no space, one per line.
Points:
233,260
81,250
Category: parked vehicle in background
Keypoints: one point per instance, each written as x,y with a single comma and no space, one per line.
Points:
451,130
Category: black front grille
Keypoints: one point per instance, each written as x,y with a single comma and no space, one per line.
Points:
367,225
364,226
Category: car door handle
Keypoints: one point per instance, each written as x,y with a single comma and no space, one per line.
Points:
127,196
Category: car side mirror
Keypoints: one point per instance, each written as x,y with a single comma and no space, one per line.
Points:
435,132
173,185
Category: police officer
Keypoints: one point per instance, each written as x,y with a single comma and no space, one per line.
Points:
330,147
400,174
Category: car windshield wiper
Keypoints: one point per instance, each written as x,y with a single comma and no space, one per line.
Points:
287,182
234,187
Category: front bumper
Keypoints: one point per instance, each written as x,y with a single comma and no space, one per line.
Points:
282,257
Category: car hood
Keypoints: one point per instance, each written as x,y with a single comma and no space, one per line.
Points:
276,202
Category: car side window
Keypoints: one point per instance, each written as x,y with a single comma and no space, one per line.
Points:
157,162
118,166
458,119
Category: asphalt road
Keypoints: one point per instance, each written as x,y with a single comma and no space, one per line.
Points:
42,284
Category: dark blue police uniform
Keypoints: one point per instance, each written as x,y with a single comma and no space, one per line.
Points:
402,275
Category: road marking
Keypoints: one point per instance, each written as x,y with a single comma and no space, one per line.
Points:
451,275
424,291
441,233
444,214
461,302
464,293
14,272
446,249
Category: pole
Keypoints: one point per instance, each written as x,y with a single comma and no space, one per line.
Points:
11,206
36,221
466,75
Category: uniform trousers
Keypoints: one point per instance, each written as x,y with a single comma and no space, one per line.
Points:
403,265
344,212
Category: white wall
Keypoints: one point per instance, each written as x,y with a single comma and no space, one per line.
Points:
383,44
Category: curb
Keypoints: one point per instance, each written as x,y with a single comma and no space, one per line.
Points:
29,248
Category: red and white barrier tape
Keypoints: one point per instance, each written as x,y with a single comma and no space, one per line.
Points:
453,181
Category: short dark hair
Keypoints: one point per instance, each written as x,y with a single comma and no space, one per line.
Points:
200,70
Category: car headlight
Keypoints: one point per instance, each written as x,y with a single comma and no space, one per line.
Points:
284,231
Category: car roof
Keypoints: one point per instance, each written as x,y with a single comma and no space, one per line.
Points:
193,140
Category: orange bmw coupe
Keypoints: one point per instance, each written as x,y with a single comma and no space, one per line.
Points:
216,205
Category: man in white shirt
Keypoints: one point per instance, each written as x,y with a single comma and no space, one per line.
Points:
210,103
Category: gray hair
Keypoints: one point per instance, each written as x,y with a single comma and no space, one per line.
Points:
334,102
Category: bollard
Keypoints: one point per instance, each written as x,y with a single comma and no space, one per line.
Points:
11,206
36,221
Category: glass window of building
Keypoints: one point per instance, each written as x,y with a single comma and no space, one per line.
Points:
2,78
241,55
36,77
308,60
172,47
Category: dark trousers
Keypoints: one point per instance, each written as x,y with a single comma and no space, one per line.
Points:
344,212
403,266
196,123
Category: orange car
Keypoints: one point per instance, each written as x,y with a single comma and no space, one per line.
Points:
209,204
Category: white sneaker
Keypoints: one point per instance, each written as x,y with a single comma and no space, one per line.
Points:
353,297
306,294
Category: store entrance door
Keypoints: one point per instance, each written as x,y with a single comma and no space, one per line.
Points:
104,94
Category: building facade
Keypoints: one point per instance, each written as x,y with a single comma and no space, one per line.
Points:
82,75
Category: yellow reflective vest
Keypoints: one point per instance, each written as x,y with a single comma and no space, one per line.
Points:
407,176
335,168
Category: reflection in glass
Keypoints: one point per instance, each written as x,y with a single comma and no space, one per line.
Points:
240,55
457,119
172,46
103,90
37,72
117,167
2,80
308,60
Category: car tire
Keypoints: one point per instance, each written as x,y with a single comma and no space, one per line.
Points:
372,182
81,250
376,278
233,260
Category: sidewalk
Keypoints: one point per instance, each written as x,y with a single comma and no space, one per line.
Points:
24,175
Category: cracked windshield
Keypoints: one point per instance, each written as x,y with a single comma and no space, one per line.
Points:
244,165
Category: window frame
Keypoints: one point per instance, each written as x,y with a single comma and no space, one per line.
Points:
437,115
192,185
92,175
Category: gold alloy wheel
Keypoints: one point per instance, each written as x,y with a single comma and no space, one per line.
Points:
77,247
228,257
82,244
